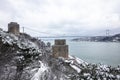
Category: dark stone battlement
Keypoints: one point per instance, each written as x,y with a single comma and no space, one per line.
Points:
60,42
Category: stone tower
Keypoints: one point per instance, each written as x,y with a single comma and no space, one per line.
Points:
60,49
13,27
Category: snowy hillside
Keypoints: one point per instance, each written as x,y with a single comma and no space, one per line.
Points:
25,58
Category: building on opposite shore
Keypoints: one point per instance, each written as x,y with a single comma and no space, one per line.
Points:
13,27
60,49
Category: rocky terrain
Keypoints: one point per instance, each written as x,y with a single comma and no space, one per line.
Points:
23,57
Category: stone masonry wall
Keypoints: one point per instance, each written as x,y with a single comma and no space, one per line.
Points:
13,27
60,49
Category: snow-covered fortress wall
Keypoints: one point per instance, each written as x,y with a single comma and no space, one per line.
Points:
60,49
13,27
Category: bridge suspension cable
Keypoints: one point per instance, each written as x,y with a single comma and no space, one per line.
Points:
36,31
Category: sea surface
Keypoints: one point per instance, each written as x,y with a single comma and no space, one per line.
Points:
95,52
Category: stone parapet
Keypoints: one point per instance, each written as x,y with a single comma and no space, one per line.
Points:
60,42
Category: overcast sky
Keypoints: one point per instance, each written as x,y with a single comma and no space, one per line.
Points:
62,17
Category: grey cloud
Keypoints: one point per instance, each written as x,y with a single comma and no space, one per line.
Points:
75,17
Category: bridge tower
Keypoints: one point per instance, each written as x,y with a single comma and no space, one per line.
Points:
107,32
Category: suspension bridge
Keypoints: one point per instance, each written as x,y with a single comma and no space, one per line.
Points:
50,35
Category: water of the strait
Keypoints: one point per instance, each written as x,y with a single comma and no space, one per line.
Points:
95,52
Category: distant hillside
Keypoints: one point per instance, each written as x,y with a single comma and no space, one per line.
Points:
114,38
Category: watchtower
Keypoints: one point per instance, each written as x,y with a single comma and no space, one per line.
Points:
60,49
13,27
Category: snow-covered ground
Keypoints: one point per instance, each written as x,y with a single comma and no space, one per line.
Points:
50,68
41,72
